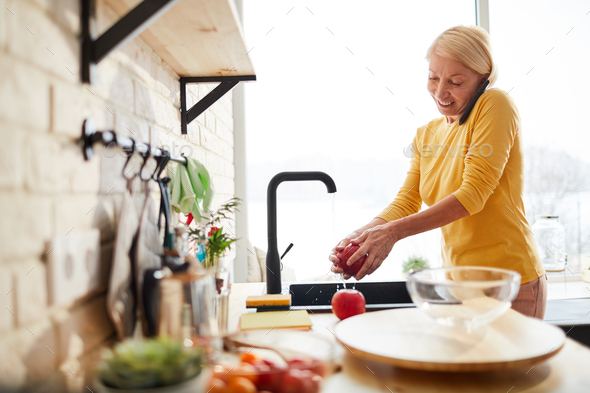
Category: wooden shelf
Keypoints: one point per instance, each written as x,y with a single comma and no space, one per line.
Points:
196,38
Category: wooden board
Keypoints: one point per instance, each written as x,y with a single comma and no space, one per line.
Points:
197,37
408,338
276,320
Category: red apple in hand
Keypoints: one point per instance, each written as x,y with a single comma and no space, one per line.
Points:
348,303
345,255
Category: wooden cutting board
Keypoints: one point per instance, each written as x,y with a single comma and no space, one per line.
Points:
298,319
408,338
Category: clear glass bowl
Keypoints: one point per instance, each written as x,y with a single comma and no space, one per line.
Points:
464,296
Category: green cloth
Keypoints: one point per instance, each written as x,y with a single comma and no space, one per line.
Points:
192,189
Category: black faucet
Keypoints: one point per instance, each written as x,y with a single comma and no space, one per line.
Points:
273,262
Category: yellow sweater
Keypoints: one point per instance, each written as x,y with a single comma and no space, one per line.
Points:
481,163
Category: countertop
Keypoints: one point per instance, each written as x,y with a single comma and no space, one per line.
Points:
565,372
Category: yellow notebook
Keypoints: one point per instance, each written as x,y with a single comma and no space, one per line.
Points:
275,319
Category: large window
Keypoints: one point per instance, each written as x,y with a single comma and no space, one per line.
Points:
542,51
341,88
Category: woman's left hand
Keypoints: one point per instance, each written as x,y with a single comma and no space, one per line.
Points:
377,242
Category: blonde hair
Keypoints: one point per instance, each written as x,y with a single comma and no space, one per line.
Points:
469,45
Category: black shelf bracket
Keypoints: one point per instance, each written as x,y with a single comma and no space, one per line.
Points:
126,29
226,84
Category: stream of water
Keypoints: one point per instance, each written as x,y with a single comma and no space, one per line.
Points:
314,227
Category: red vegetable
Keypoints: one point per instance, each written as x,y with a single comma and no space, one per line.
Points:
345,255
347,303
301,381
269,375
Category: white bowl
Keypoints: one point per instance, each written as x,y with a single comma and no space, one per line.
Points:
464,296
198,383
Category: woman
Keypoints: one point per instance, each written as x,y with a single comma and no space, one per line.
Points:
468,171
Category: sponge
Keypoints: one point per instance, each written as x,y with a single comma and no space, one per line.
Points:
269,302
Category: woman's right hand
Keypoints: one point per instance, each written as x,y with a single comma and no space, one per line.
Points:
344,242
339,247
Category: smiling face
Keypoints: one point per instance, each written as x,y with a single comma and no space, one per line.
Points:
452,85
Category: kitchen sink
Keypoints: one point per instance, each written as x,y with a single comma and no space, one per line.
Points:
380,295
572,315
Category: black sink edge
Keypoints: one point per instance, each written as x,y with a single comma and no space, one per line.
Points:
383,293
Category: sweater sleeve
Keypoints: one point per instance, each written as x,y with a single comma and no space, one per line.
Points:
496,123
408,200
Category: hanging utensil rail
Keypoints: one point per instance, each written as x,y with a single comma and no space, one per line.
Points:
90,136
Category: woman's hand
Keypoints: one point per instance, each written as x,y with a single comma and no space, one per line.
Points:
378,237
344,242
376,243
339,247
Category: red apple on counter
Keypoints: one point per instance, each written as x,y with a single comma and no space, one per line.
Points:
347,303
345,255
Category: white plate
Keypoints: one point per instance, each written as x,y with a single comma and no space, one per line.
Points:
409,338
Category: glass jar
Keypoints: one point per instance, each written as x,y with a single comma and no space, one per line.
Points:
187,306
223,286
181,241
550,238
187,310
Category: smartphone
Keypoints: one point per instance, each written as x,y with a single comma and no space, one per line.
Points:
465,115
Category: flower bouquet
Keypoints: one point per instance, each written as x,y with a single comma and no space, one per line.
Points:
213,241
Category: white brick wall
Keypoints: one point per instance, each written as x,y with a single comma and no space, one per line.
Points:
26,360
25,95
30,292
27,222
12,369
11,160
115,83
66,13
38,40
45,174
75,213
48,190
88,323
72,103
7,308
3,24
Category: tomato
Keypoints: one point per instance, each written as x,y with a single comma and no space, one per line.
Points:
300,362
217,386
345,254
314,365
300,381
319,368
270,363
220,371
316,382
269,376
244,370
240,385
248,357
347,303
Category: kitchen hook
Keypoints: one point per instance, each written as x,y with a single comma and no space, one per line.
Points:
162,160
146,156
130,151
